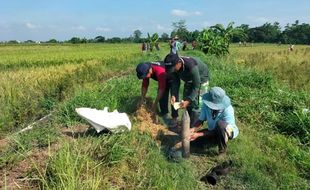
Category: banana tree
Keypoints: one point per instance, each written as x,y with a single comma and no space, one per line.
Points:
152,39
216,39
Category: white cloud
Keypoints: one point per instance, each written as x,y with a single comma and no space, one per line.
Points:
80,27
103,29
197,13
182,13
30,25
178,12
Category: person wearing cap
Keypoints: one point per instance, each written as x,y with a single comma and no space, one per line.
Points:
175,45
156,71
219,114
195,75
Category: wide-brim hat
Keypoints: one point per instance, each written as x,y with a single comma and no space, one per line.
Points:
216,99
142,70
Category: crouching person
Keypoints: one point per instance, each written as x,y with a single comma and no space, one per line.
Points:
219,114
156,71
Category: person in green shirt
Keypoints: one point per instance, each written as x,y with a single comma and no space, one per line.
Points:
175,45
195,75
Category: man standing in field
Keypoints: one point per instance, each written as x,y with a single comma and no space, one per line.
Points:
175,45
195,74
219,114
156,71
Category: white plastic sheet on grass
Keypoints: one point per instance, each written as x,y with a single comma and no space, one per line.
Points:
102,119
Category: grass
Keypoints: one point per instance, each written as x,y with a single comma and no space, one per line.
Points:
292,68
269,127
271,151
256,152
32,85
129,161
20,145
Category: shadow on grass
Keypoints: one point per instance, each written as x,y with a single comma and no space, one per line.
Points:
128,105
87,132
171,143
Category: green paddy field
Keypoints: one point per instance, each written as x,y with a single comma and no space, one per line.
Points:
269,87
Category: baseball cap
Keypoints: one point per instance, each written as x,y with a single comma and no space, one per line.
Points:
142,70
170,61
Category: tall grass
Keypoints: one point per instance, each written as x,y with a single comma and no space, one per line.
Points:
271,151
263,158
129,160
124,161
35,78
291,67
20,146
272,126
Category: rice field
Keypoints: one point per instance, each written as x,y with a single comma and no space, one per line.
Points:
290,67
35,77
268,85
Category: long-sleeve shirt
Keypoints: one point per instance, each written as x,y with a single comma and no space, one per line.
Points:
226,115
193,71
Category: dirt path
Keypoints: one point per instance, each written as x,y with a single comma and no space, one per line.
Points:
26,173
23,175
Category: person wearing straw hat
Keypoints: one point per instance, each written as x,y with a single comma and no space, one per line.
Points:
156,71
219,114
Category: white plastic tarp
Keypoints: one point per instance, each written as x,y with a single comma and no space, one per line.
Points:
102,119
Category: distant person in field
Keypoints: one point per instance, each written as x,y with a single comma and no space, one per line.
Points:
143,47
194,44
157,46
156,71
195,75
291,48
148,46
221,124
175,45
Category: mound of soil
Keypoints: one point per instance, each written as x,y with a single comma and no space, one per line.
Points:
148,123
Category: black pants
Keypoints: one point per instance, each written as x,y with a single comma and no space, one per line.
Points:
163,102
216,136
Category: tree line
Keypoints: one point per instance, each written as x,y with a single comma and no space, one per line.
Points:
296,33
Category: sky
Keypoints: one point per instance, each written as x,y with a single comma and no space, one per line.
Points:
41,20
